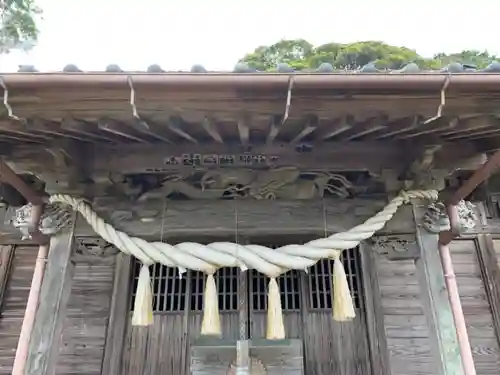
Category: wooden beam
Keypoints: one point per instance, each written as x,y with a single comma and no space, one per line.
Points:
154,131
6,256
331,156
377,340
338,127
18,129
401,126
51,311
118,317
174,126
369,126
243,131
88,129
312,123
121,130
435,126
208,218
443,336
211,129
50,128
274,129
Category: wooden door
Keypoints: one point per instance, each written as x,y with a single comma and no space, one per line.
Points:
163,348
329,347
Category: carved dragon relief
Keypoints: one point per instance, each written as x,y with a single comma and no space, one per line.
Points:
278,183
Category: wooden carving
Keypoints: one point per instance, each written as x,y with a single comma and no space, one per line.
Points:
396,247
88,249
277,183
436,219
55,217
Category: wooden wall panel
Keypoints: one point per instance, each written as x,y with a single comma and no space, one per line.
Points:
405,325
82,346
476,307
16,296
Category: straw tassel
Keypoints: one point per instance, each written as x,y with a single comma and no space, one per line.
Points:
343,306
210,325
143,304
275,325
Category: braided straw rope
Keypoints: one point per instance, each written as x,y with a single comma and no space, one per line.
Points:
271,262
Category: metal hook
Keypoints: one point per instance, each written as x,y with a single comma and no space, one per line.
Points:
132,103
288,99
6,100
443,101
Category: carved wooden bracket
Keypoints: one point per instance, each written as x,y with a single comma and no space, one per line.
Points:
396,247
55,217
435,218
93,249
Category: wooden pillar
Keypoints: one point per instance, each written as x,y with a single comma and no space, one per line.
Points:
442,332
377,340
118,316
51,311
243,344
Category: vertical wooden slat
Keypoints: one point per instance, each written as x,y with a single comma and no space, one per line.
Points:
14,304
118,316
6,255
377,341
443,335
490,270
54,295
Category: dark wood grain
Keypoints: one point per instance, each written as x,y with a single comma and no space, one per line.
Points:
477,303
6,256
118,317
379,354
16,296
50,315
443,336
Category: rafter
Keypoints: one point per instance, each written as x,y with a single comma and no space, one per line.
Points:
243,131
339,126
174,126
54,129
433,127
366,127
88,129
398,127
310,126
274,128
121,130
211,129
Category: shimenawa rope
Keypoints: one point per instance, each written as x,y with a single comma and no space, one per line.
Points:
271,262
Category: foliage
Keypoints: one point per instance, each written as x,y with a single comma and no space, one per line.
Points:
300,54
18,24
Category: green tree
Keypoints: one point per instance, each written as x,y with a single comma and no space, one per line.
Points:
18,27
292,52
470,57
300,54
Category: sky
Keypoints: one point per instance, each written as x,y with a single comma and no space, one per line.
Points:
216,33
